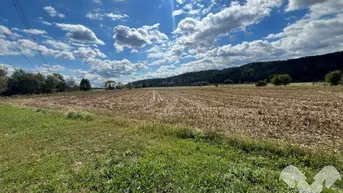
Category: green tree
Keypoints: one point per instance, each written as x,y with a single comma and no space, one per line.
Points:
85,85
70,82
110,85
22,82
41,81
62,85
51,84
3,80
120,85
333,77
130,85
281,79
285,79
276,80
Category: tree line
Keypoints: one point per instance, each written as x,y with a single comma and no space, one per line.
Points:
306,69
22,82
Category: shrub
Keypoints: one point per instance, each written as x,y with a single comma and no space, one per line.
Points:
285,79
200,83
80,115
275,80
261,83
228,81
334,77
281,79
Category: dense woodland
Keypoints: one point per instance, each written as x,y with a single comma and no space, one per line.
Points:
307,69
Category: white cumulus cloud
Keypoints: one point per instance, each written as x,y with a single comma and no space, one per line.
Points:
136,38
52,12
80,33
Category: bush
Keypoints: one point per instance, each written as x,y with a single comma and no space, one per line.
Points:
261,83
200,83
79,115
275,80
285,79
228,81
282,79
334,77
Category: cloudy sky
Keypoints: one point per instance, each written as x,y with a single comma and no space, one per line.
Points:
128,40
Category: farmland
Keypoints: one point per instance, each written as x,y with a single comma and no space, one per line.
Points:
232,139
307,116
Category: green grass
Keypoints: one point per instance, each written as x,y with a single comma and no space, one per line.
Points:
42,151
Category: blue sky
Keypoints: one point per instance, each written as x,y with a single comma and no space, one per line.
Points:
128,40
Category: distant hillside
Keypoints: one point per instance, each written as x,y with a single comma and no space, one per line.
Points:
306,69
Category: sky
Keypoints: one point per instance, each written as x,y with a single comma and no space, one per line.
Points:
129,40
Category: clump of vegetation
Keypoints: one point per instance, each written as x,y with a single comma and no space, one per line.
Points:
80,115
112,85
200,83
228,81
334,78
85,85
71,85
40,110
3,80
281,79
261,83
130,85
22,82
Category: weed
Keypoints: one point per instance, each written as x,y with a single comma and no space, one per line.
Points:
80,115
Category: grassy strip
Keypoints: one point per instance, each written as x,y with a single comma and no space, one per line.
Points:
45,152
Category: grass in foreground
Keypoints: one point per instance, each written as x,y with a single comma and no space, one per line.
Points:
42,151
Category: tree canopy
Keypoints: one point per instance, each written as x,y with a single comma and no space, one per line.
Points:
85,85
21,82
334,77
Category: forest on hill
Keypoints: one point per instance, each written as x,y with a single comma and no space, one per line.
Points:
306,69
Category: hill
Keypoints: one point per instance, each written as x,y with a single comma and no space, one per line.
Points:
306,69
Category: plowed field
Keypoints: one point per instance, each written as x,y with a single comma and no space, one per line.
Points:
308,116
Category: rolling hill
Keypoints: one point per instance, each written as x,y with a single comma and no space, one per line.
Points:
306,69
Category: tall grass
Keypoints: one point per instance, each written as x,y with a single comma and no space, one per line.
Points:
80,115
